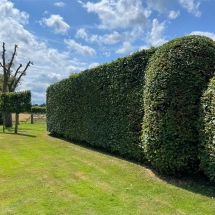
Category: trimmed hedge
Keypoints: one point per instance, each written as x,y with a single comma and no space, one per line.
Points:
207,134
37,109
102,106
176,77
15,102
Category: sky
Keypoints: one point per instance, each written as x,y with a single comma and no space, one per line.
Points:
66,37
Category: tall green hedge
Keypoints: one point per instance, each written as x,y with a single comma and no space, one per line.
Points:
176,77
207,134
102,106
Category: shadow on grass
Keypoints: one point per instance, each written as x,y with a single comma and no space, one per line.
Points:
197,183
11,132
19,134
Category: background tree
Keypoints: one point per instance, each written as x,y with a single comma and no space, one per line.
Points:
15,102
11,78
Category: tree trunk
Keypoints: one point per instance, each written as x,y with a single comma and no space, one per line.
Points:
16,123
1,118
3,115
32,118
8,120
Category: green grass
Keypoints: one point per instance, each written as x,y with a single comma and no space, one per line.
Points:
43,175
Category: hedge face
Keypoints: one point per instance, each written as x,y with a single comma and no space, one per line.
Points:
207,134
176,77
102,106
15,102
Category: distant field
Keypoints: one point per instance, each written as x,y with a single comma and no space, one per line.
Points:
43,175
24,117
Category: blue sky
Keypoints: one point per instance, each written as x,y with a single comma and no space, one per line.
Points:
68,36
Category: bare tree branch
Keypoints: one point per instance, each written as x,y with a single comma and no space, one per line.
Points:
4,70
17,71
16,80
13,55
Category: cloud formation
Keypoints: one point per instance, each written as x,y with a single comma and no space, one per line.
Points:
155,37
57,23
7,10
203,33
191,6
126,47
80,49
159,5
119,13
173,14
59,4
108,39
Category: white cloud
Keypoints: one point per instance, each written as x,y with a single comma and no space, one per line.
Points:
159,5
57,23
203,33
46,12
174,14
135,33
113,38
79,66
80,49
119,13
155,37
110,39
59,4
80,2
81,33
191,6
74,69
126,47
107,54
7,10
93,65
143,48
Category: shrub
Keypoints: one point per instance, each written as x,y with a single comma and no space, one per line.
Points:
176,77
207,134
102,106
37,109
15,102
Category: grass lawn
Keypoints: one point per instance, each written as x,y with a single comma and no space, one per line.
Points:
43,175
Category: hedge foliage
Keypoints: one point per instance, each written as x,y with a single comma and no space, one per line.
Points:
102,106
207,134
15,102
176,77
38,109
